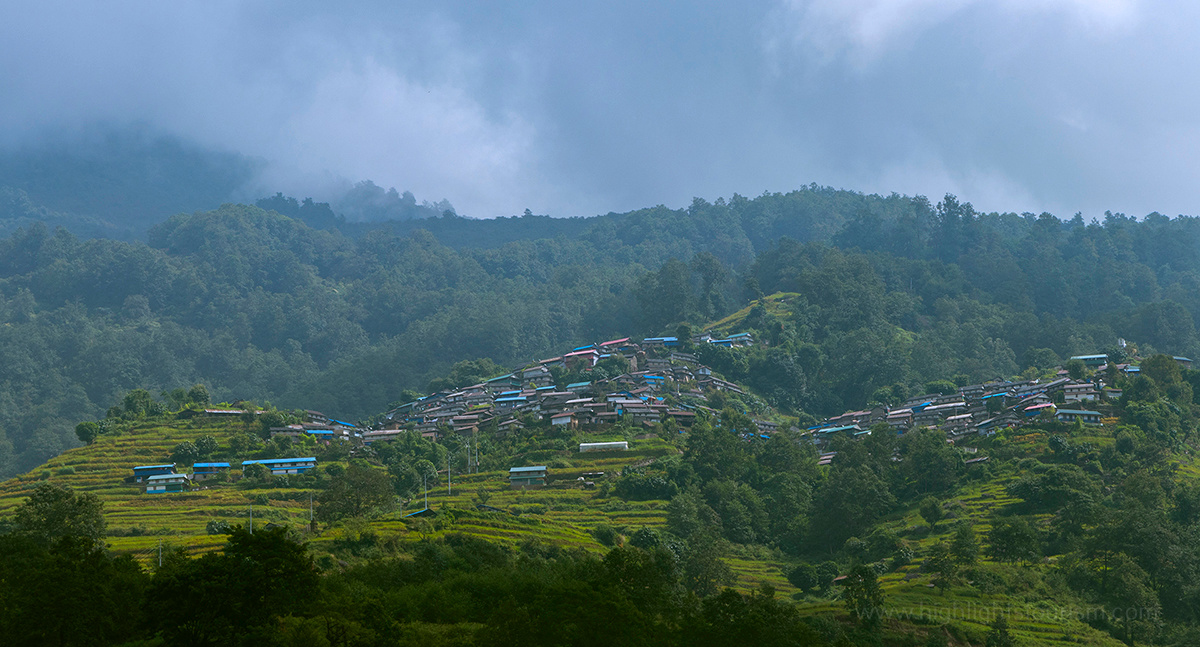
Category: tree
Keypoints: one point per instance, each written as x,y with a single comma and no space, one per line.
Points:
360,491
863,595
998,635
965,547
1076,369
185,453
803,577
931,511
198,395
53,512
206,446
87,432
942,565
1012,540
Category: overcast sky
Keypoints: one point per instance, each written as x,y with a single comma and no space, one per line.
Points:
1014,105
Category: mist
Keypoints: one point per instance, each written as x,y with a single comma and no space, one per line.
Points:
1015,105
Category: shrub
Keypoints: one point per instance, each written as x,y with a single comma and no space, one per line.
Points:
217,527
605,534
66,471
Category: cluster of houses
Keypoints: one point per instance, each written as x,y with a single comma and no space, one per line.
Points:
657,368
986,408
160,479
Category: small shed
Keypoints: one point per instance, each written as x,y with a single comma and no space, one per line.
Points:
620,445
162,483
524,477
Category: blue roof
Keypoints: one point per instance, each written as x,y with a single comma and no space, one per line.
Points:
520,470
269,461
741,334
344,424
210,465
578,384
513,399
163,477
1078,412
543,388
583,347
497,379
319,432
1181,359
508,393
154,467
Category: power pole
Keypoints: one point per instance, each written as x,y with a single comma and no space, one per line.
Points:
252,518
160,553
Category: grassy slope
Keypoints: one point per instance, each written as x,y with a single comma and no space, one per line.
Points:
563,514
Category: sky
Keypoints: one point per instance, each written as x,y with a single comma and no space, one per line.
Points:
575,109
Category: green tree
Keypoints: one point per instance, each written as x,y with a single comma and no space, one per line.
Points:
965,546
206,446
185,453
1076,369
360,491
52,512
931,511
942,565
198,395
998,635
1012,540
803,577
863,596
87,432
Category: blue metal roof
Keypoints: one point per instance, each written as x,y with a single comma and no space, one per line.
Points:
153,467
210,465
512,399
521,470
163,477
319,432
578,384
344,424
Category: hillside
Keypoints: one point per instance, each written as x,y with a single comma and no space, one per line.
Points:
1025,520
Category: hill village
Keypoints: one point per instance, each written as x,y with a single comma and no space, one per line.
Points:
665,387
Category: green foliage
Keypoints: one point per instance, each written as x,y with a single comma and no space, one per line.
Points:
54,512
863,596
1012,540
931,511
360,491
87,432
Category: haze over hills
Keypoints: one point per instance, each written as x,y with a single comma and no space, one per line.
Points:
896,291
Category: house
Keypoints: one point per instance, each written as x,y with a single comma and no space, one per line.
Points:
742,339
281,466
1092,361
1080,415
604,447
1080,392
525,477
161,483
143,472
204,471
564,419
1183,362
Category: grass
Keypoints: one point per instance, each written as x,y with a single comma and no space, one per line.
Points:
564,513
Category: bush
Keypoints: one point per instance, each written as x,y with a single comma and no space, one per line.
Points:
605,534
66,471
217,527
803,577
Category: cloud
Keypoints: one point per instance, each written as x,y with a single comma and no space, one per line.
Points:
864,30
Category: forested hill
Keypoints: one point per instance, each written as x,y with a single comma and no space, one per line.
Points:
894,292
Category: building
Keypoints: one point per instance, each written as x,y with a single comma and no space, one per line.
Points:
1072,415
620,445
162,483
143,472
204,471
1092,361
524,477
281,466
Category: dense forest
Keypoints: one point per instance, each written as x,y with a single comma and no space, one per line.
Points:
892,292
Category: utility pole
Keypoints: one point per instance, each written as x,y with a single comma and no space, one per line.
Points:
310,514
448,474
426,477
252,518
160,553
